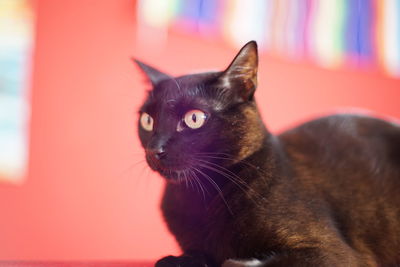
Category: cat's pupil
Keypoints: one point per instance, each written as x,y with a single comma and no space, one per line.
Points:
194,117
148,120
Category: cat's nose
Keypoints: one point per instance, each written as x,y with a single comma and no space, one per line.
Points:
157,153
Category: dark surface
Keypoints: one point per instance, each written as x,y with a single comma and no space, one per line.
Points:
74,264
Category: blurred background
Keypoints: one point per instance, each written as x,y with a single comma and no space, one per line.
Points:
73,181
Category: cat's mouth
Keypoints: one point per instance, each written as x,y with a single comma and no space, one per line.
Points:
175,175
178,170
169,174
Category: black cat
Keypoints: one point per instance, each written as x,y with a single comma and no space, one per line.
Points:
326,193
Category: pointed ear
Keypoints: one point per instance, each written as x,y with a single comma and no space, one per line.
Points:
154,75
241,75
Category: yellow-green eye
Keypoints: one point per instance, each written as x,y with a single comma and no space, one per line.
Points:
195,118
146,121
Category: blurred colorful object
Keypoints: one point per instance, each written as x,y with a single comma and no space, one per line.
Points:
15,51
332,33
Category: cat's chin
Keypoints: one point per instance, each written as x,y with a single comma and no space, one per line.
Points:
173,176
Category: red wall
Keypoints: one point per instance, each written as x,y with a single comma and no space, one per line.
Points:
88,194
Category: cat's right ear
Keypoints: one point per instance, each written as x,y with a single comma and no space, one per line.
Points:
155,76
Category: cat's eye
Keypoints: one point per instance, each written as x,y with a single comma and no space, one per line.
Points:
146,121
195,118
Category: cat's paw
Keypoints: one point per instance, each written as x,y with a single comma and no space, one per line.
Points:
243,263
182,261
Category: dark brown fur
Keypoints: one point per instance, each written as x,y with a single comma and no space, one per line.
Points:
326,193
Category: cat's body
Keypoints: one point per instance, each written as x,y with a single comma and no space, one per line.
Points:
326,193
308,200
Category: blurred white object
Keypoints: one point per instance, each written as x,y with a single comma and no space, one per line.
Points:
16,40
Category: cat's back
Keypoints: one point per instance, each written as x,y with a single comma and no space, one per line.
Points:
341,154
346,141
351,164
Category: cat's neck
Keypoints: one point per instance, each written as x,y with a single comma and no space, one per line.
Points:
263,163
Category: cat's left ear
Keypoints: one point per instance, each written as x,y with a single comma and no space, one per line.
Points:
155,76
241,75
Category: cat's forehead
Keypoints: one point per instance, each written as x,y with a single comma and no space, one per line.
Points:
187,85
181,91
183,87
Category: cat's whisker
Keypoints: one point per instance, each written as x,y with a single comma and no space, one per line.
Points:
228,157
147,178
131,156
136,153
202,187
178,178
198,181
213,183
231,174
144,169
189,179
226,175
186,179
239,182
137,179
193,181
130,167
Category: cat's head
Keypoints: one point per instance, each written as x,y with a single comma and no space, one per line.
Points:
189,123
